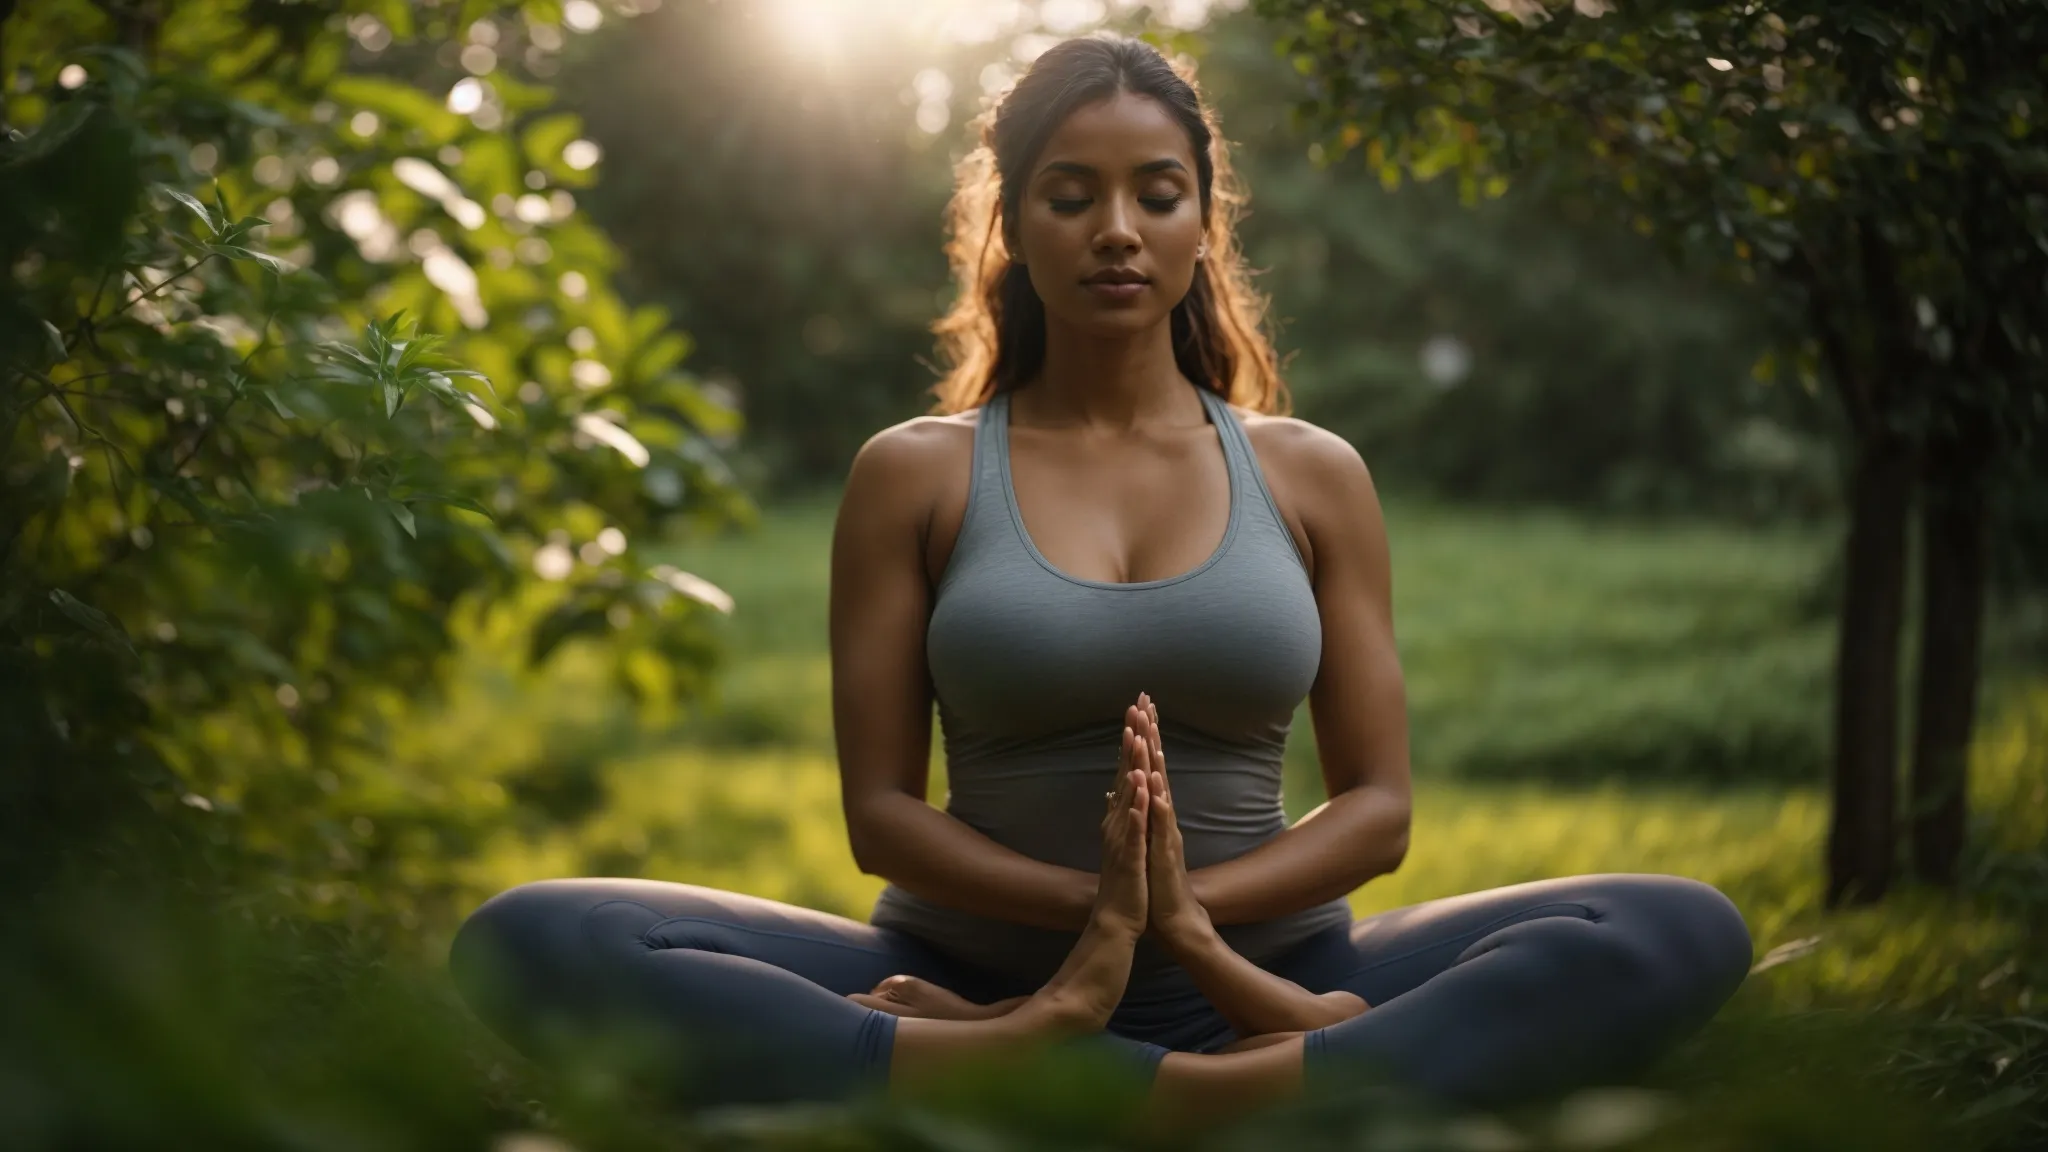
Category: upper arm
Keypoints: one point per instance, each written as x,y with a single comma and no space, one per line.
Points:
881,689
1359,702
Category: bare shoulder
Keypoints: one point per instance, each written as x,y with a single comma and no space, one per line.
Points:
906,469
1314,465
916,442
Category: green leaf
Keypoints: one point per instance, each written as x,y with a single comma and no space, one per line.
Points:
578,617
254,653
472,374
547,136
462,502
198,208
259,115
236,252
62,125
233,233
659,355
56,342
403,515
279,404
393,397
396,14
2005,1099
341,351
99,624
439,385
399,103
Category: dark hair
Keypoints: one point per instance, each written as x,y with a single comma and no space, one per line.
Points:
993,338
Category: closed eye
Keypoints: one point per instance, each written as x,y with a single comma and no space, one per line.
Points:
1159,204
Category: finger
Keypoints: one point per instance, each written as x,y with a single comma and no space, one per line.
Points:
1153,738
1140,803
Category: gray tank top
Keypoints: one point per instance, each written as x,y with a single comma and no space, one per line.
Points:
1033,668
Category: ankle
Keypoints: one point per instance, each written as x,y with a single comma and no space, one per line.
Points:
1061,1010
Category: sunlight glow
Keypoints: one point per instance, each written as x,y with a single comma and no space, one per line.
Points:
816,30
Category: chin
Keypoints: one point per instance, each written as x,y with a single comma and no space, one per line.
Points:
1114,321
1111,320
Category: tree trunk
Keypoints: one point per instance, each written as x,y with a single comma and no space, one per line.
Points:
1954,544
1861,841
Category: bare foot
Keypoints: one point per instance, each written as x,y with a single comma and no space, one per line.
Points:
1081,996
911,997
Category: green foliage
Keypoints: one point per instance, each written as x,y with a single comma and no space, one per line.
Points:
1874,171
247,500
1526,348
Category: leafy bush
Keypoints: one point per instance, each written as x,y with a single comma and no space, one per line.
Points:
246,503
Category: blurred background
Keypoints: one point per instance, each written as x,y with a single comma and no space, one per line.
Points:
424,424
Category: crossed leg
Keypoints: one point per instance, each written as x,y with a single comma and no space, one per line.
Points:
1479,999
749,1001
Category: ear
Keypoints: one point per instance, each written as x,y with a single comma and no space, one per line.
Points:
1011,246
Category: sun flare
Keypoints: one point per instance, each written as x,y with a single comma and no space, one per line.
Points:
843,31
814,28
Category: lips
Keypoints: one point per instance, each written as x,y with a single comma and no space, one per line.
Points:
1118,276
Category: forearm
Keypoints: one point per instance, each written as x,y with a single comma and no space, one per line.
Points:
1255,1002
1327,854
931,854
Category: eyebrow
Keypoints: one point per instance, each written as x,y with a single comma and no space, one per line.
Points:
1145,169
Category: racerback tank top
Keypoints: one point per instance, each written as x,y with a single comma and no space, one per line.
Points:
1033,668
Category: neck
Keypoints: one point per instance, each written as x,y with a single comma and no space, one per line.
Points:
1113,383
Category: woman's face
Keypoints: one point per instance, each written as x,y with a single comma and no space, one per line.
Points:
1113,192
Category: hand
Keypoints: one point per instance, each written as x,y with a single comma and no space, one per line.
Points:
1174,915
1120,894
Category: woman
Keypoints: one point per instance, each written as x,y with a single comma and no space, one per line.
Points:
1105,535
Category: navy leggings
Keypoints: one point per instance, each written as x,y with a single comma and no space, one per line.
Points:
1485,999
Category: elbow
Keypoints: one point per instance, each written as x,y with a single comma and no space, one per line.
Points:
1397,850
1392,844
863,846
864,836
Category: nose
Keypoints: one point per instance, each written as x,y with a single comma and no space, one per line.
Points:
1117,236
